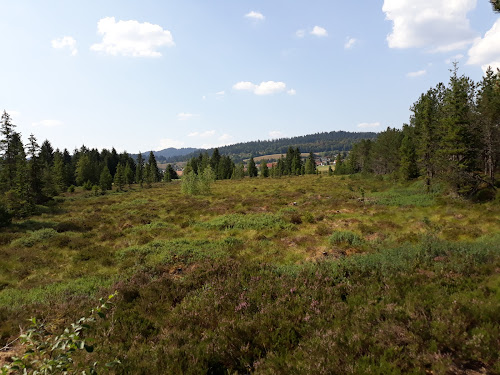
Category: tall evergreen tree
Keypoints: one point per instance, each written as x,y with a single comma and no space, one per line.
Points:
310,167
264,169
152,167
119,178
139,170
128,174
105,180
7,152
252,168
35,184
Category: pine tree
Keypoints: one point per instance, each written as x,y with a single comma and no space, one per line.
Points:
58,173
128,174
7,152
119,178
459,143
83,170
310,167
105,180
139,170
264,169
152,167
488,109
35,195
408,165
425,121
252,168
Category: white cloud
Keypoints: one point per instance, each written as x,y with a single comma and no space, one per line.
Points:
350,43
48,123
167,143
264,88
367,125
205,134
437,25
291,92
454,58
220,93
300,33
257,16
65,42
486,51
275,134
416,74
185,116
204,97
131,38
319,31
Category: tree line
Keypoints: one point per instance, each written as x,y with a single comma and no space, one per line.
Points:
32,174
453,137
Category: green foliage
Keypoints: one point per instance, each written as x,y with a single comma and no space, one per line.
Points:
250,221
106,180
252,168
46,353
71,189
345,237
194,184
5,216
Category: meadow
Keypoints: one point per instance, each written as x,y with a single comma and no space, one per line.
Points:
310,274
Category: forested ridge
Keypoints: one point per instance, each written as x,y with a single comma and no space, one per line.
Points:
331,142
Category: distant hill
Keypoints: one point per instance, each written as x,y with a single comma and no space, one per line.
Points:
330,142
167,153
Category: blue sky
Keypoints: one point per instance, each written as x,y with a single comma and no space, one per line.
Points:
151,74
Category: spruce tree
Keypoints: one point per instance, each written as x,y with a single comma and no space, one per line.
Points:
105,179
264,169
139,170
152,167
58,173
252,168
128,174
119,178
310,167
7,152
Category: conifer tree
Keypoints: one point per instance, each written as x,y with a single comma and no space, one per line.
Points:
119,178
310,167
83,170
152,167
34,191
264,169
7,152
252,168
408,166
58,172
128,174
105,180
488,109
139,170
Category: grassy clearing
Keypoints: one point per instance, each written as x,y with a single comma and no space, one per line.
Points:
309,274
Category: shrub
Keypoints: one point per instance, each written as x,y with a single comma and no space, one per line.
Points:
5,216
71,189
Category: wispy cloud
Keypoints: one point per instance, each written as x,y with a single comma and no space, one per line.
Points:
350,43
257,16
319,31
264,88
300,33
186,116
291,92
418,73
65,42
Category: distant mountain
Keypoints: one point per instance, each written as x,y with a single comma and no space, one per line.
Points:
330,142
167,153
